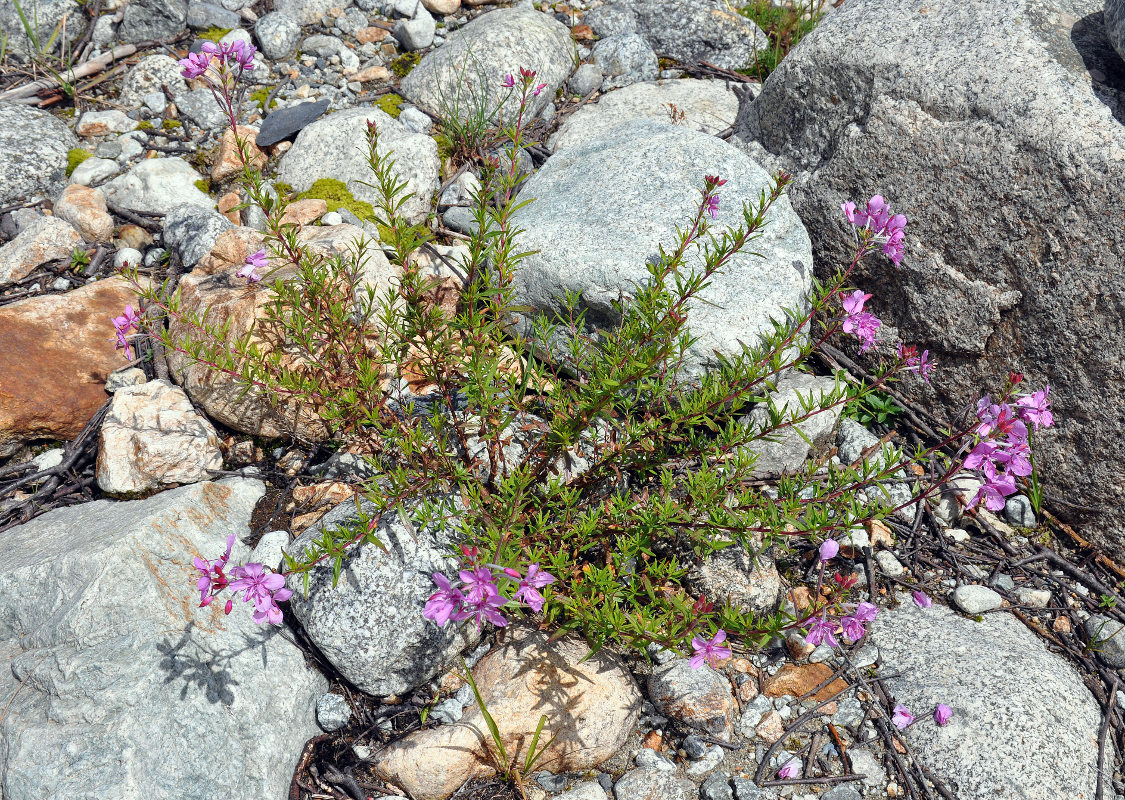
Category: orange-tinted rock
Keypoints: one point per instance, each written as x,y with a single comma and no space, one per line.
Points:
86,210
228,161
372,34
372,73
798,680
227,207
303,212
57,353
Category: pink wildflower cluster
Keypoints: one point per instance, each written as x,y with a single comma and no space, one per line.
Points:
710,198
254,262
902,719
231,55
265,589
875,223
913,362
825,626
478,596
124,325
527,76
709,651
858,322
1003,452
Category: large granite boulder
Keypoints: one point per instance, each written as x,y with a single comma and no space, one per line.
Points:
996,127
33,148
601,210
116,683
1000,714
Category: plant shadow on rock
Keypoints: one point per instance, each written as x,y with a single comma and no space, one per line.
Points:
1105,66
205,668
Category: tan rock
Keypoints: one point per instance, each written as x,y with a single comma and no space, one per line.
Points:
770,728
133,236
228,161
442,7
41,240
372,73
798,680
227,206
86,210
153,436
57,353
334,492
304,212
798,648
591,707
372,34
700,697
881,535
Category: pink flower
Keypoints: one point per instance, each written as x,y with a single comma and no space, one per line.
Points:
539,88
711,206
791,769
128,321
828,549
853,625
254,262
864,326
922,600
478,583
240,53
482,606
913,362
875,222
853,303
1036,408
509,81
942,715
536,579
195,65
212,580
902,718
865,612
822,631
849,211
996,487
248,272
443,603
264,589
709,652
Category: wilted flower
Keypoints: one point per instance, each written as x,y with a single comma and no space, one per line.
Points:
942,714
254,262
922,600
791,769
710,652
509,81
828,549
539,88
212,580
913,362
902,718
822,631
711,206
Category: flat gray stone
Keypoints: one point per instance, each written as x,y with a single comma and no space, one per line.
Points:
647,783
308,12
199,106
1108,638
332,712
465,73
1000,712
44,16
129,690
935,111
152,19
151,74
290,121
334,147
708,106
601,210
370,626
973,599
33,152
201,16
191,231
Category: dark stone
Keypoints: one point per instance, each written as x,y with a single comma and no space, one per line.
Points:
287,122
551,783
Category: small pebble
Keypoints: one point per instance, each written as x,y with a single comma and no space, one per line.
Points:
332,712
716,787
552,783
974,599
332,218
889,564
694,747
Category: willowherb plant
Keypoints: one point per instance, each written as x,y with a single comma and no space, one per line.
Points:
582,483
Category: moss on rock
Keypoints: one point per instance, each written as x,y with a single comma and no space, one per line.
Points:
74,157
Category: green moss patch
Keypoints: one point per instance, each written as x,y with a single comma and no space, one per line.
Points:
336,194
203,186
402,65
389,104
213,34
260,96
171,124
145,125
74,157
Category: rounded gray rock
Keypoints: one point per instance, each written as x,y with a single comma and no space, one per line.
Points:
332,712
974,599
277,35
151,74
602,209
201,16
587,78
1115,24
1107,637
1019,511
33,153
716,787
152,19
625,59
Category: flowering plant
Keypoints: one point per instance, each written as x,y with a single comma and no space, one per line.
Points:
584,486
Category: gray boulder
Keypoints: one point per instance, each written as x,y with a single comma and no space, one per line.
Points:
277,34
416,33
1000,713
370,625
996,127
463,76
201,16
1115,25
191,231
790,446
602,209
120,686
625,60
308,12
152,19
44,16
708,106
158,185
334,148
152,74
33,148
689,31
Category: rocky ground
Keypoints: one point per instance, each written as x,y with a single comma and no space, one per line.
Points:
996,125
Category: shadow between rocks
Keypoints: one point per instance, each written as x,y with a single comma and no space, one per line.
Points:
1104,65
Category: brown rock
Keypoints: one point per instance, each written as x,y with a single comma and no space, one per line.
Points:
798,680
747,690
372,34
590,708
304,212
771,728
86,210
57,353
798,648
583,33
228,161
41,240
227,206
1061,625
653,740
880,534
372,73
133,236
334,492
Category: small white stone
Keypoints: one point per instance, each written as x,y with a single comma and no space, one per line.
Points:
889,564
974,599
1036,598
48,459
332,218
